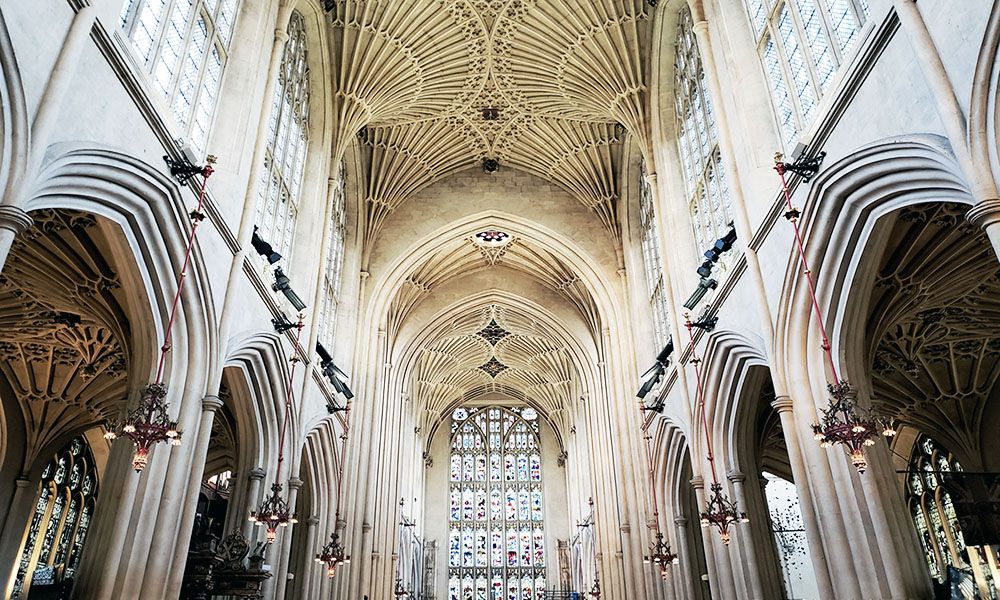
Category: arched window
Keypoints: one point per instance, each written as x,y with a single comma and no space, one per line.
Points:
705,183
336,230
935,519
183,45
58,526
496,528
802,43
649,239
789,537
287,134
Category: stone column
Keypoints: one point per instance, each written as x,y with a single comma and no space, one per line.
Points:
810,521
986,212
698,483
684,581
248,529
13,222
280,578
306,577
744,539
21,506
13,219
209,405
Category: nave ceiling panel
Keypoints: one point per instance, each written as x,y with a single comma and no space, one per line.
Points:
434,87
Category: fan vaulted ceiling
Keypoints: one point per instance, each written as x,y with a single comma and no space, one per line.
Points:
563,81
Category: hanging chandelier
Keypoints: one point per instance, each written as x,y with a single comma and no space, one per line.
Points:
399,591
843,422
721,512
273,513
660,553
333,555
147,425
595,590
150,423
661,556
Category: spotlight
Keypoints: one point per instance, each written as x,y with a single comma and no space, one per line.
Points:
337,378
263,248
282,284
652,376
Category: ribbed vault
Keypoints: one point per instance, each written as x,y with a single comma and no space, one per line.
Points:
437,86
497,349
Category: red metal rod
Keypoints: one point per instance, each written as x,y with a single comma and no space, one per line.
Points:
780,168
195,221
288,399
343,463
652,477
701,401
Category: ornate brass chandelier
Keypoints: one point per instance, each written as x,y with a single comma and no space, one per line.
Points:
661,556
399,591
720,512
595,590
843,421
274,511
150,423
333,555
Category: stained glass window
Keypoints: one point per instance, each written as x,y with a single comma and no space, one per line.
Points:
58,526
790,537
653,265
287,135
706,187
935,520
336,232
183,45
802,44
496,522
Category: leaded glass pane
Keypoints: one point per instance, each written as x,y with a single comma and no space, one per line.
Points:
649,239
497,533
58,526
183,45
708,201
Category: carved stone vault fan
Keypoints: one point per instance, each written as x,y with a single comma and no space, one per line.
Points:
436,86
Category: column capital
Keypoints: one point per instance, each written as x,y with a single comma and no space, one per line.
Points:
651,179
986,212
294,483
280,36
22,482
257,473
680,521
698,482
14,219
312,521
700,27
782,404
736,476
211,403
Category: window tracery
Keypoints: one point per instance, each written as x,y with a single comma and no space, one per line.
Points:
58,526
708,196
183,45
935,520
336,233
802,44
496,519
287,137
653,265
